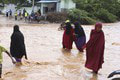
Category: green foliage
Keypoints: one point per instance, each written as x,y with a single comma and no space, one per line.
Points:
87,20
118,14
81,16
103,10
56,17
12,1
106,16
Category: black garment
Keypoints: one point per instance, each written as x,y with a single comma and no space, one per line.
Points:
15,17
68,28
0,70
17,47
6,14
10,13
79,31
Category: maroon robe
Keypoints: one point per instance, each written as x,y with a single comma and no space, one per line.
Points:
68,39
95,51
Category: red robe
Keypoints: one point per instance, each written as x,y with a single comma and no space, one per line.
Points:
95,50
68,39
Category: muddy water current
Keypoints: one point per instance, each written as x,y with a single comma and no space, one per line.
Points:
48,61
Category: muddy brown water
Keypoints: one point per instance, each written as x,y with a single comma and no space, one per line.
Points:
47,59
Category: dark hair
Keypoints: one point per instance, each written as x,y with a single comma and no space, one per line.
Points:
16,28
78,29
77,24
68,27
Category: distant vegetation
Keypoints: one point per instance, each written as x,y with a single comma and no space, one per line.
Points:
87,11
15,1
12,1
90,11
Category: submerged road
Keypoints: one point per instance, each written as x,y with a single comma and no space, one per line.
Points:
47,59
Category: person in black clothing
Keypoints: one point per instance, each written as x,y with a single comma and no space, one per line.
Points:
17,46
10,13
80,36
7,14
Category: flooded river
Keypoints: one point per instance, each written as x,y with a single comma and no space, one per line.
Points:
48,61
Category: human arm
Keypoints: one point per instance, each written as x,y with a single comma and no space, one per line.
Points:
84,47
10,57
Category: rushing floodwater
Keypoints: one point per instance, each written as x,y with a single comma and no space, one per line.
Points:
47,59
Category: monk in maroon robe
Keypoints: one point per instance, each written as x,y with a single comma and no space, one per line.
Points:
68,36
95,49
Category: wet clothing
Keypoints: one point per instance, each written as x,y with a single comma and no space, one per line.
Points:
17,46
80,38
80,42
7,14
2,49
18,59
68,39
95,51
79,32
0,70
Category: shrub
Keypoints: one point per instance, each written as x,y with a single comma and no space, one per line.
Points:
81,16
87,20
89,8
118,14
105,16
56,17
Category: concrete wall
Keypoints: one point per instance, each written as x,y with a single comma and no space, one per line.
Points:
62,5
67,4
49,5
71,4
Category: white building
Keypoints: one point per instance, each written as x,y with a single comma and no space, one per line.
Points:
55,5
45,6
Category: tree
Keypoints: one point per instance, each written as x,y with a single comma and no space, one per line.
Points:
97,8
12,1
1,1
